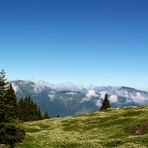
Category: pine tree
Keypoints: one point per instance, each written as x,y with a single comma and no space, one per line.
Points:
20,106
9,133
11,104
106,103
8,104
28,110
39,114
46,116
3,100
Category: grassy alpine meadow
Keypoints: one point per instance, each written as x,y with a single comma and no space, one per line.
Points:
121,127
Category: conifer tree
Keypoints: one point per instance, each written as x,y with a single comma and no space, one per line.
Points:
8,103
39,114
19,109
28,110
106,103
3,88
11,104
9,133
46,116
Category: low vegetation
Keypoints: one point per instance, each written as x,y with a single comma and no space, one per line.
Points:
122,128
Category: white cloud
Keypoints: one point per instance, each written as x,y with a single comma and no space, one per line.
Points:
85,99
53,92
68,86
102,94
113,98
99,103
51,97
91,93
38,88
140,98
71,93
124,93
15,87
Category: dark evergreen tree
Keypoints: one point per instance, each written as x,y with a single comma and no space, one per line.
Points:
20,106
28,110
9,134
105,103
11,104
58,115
46,116
40,117
3,105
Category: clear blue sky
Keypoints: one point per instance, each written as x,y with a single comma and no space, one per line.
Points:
104,42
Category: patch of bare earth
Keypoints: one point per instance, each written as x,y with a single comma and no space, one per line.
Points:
141,129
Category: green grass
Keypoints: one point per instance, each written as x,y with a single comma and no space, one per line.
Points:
112,128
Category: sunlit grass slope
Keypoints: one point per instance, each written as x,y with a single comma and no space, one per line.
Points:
122,128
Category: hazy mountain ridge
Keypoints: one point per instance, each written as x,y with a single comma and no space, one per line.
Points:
68,98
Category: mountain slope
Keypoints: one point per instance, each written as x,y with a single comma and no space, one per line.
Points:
122,128
68,99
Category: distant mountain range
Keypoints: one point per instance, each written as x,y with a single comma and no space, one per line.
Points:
69,99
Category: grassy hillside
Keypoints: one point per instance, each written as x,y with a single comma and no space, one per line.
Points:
122,128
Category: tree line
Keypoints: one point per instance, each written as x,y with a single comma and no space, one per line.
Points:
12,111
28,110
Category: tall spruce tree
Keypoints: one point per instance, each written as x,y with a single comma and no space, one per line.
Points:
11,103
105,103
3,100
9,133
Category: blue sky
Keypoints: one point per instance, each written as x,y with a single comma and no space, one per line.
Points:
104,42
